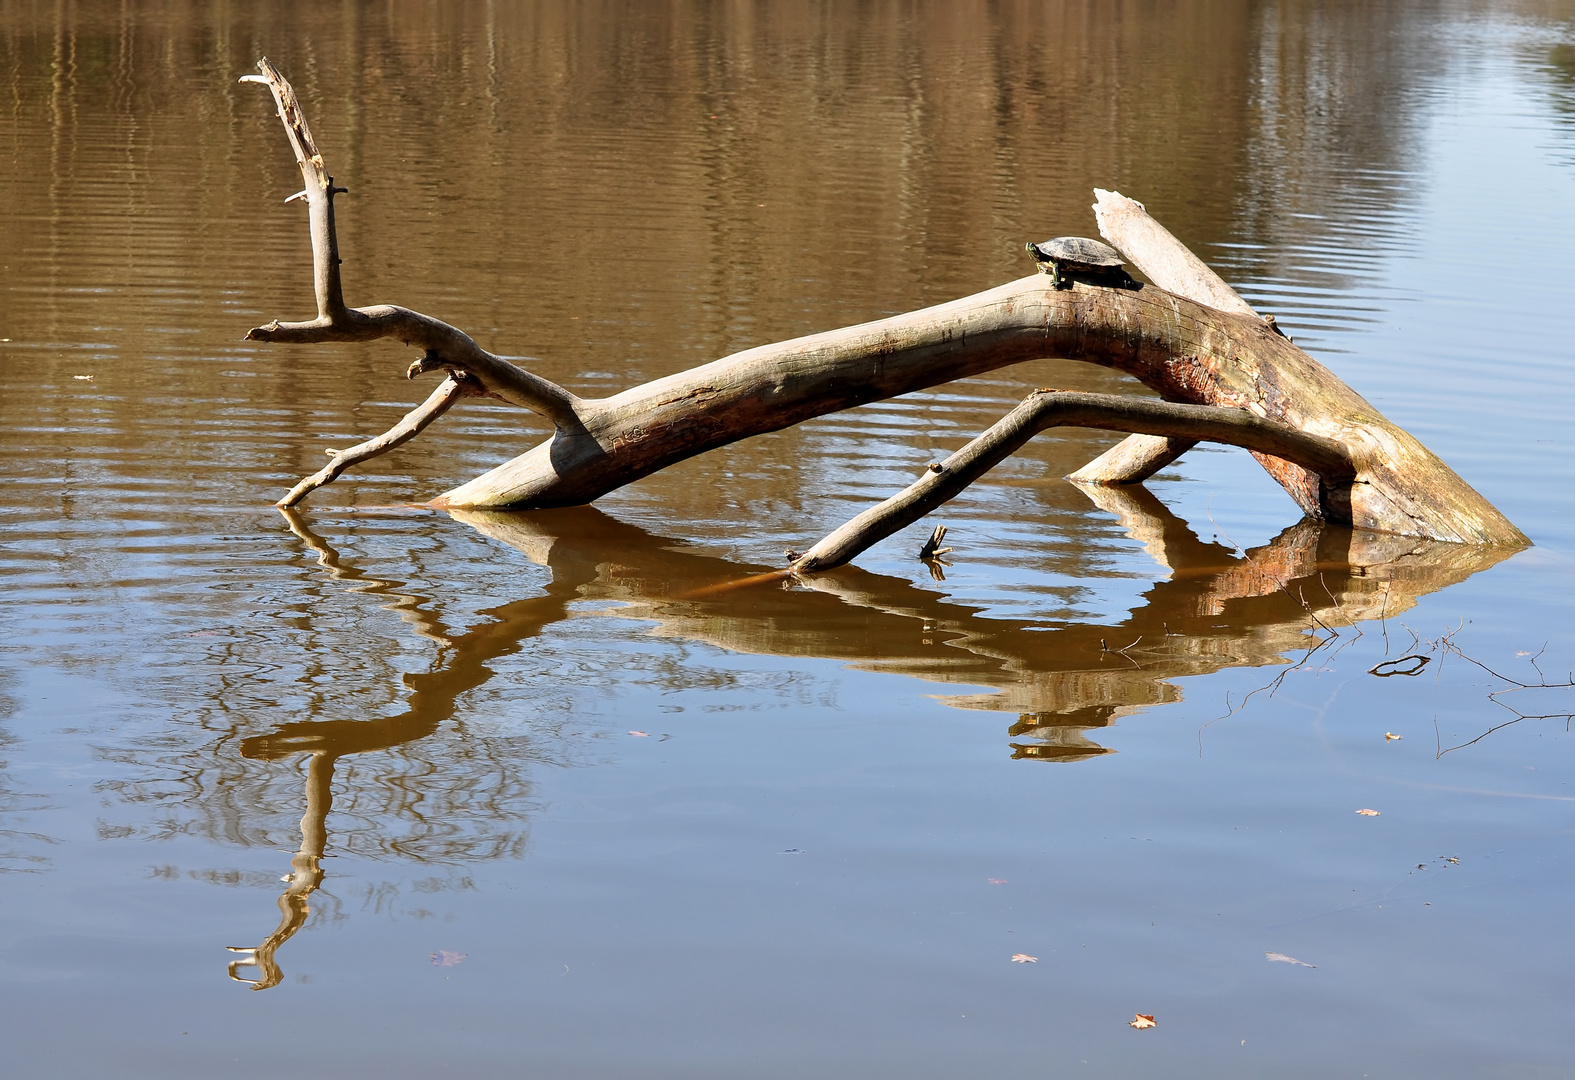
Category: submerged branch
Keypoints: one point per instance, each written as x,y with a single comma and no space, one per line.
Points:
1050,408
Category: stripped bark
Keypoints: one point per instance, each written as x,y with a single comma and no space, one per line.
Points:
1168,263
1132,460
1187,352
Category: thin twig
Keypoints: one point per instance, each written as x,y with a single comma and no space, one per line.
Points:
449,391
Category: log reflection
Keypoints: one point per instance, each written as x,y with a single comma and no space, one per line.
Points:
1215,610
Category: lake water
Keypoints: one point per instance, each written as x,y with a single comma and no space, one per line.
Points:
377,790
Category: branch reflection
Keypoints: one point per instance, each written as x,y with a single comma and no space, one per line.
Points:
1214,610
306,874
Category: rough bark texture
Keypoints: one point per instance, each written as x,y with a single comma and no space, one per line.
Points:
1186,351
1168,263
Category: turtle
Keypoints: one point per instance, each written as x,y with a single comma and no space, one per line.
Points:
1077,258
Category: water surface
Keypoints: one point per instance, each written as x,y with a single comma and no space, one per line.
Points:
539,809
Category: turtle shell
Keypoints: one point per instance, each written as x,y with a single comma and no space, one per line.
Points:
1078,253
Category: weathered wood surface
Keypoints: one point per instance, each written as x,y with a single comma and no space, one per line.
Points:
1403,488
644,429
1187,352
1163,259
1184,351
337,322
1166,262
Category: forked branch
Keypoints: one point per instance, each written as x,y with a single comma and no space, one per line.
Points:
443,345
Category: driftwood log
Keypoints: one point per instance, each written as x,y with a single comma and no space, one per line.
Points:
1228,376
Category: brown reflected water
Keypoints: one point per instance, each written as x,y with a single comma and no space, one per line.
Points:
757,825
1274,601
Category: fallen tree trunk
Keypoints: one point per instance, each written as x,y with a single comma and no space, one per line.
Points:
1186,351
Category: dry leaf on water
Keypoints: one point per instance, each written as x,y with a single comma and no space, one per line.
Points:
1282,958
1390,736
445,958
1024,958
1368,813
1142,1020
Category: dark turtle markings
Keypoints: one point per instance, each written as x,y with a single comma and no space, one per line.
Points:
1077,258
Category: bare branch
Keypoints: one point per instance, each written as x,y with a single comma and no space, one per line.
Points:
319,192
1163,259
1183,350
1132,460
446,346
451,390
1049,408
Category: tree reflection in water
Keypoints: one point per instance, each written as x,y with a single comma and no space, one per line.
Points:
1214,610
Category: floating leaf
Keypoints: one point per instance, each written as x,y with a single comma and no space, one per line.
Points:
1390,736
1142,1020
1368,813
1024,958
1283,959
642,734
445,958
